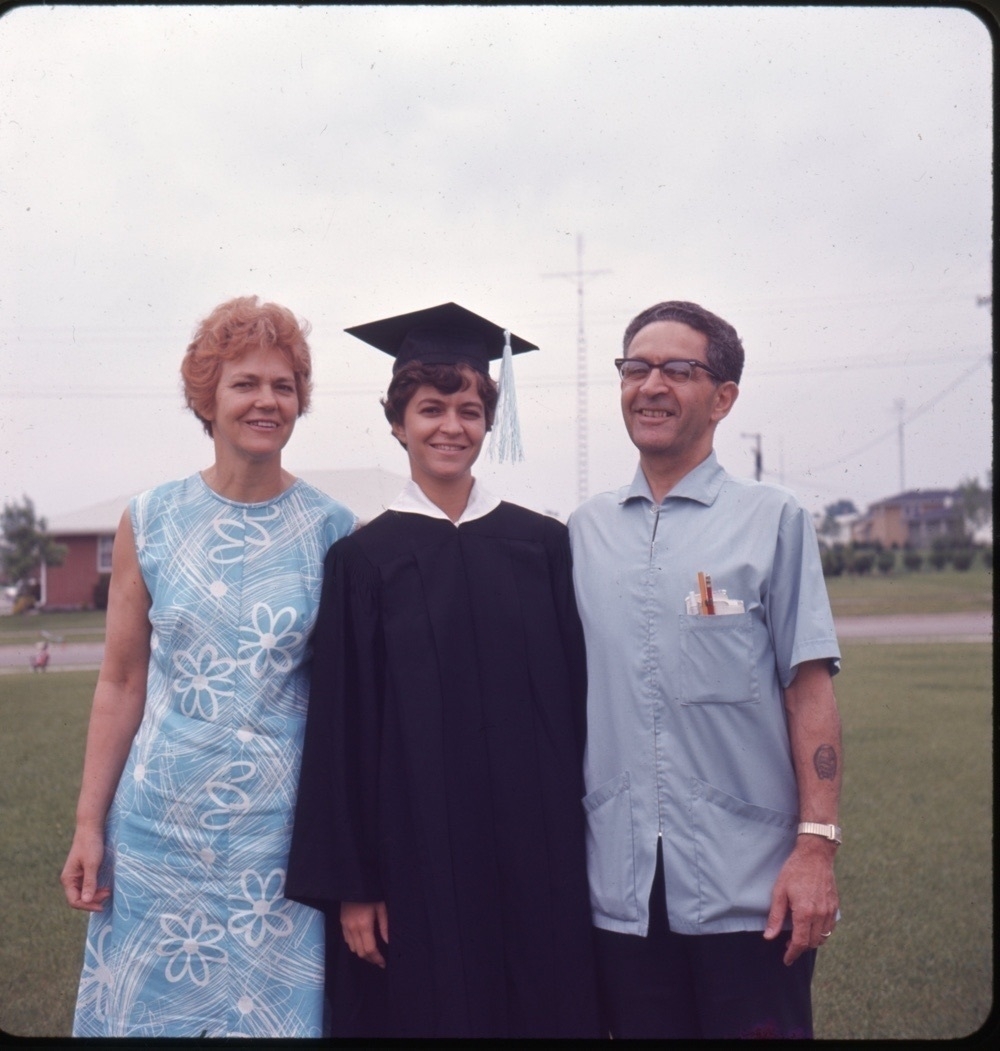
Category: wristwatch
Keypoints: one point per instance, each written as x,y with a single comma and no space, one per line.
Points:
830,832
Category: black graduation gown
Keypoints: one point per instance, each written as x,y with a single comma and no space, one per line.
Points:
442,774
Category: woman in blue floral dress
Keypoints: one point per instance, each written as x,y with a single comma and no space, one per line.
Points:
193,751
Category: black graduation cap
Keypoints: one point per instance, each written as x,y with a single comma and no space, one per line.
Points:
443,334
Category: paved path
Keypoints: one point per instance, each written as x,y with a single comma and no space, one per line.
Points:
899,627
63,656
918,627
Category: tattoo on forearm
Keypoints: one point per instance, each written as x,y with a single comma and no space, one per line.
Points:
825,761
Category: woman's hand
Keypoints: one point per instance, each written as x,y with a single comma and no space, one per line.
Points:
358,920
119,701
79,874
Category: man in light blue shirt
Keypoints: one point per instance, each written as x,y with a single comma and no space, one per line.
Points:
713,761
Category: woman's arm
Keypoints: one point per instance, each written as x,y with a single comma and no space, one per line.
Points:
119,700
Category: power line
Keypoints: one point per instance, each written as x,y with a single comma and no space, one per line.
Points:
919,411
337,389
900,406
858,363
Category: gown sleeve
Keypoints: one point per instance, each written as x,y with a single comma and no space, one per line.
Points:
564,598
334,850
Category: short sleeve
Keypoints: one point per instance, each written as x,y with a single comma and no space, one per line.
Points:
798,607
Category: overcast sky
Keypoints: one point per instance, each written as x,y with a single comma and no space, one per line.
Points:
820,177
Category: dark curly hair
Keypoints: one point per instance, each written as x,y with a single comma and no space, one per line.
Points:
725,351
446,378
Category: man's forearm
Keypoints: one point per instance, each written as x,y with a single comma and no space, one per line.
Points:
806,886
815,737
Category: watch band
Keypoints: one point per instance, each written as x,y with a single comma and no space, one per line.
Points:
830,832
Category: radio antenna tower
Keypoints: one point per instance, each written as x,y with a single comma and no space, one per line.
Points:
582,465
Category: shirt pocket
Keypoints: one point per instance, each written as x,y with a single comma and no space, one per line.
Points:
739,849
610,849
717,663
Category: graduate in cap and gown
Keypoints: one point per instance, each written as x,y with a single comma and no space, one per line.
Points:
439,821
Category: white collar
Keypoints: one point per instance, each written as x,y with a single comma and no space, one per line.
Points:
413,500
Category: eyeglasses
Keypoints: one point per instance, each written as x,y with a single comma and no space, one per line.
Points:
677,370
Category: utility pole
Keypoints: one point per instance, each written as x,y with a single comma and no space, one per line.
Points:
758,456
582,460
900,406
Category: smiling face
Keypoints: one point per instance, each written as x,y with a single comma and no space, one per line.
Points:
256,405
673,424
443,434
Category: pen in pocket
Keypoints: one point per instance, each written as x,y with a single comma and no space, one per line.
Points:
705,589
712,601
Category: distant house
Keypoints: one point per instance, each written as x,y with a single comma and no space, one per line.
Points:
89,533
88,536
914,519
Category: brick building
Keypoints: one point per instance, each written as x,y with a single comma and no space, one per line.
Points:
914,519
89,534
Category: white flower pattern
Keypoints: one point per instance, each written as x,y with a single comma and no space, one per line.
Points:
270,643
197,935
231,800
203,679
191,946
95,982
236,533
267,912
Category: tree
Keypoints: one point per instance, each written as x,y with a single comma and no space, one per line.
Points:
938,557
841,507
25,545
913,560
861,562
886,561
975,502
962,559
830,526
832,559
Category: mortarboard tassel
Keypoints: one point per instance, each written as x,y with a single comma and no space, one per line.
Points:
506,435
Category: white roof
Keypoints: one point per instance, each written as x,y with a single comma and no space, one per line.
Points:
367,491
98,518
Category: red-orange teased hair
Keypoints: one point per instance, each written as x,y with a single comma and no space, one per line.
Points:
230,331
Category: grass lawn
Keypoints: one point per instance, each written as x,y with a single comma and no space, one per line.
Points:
911,959
85,626
929,591
44,720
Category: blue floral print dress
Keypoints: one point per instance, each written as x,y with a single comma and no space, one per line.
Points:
197,937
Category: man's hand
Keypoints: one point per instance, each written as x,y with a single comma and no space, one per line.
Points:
807,887
358,920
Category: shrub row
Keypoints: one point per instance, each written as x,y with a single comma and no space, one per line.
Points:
863,560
